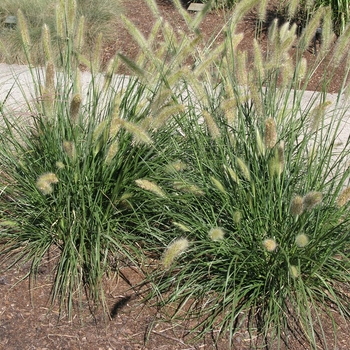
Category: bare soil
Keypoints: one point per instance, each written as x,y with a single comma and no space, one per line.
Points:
26,319
211,27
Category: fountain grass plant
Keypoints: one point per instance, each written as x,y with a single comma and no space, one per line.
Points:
72,170
210,161
258,196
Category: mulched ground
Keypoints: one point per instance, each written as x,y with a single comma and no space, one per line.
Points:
211,27
25,320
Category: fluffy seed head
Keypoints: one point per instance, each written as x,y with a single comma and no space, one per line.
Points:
302,69
270,244
292,7
259,142
233,176
176,166
244,168
46,40
71,15
258,60
301,240
343,197
112,151
80,34
50,77
45,181
188,188
75,107
211,125
242,72
318,114
270,133
140,135
23,30
150,186
173,251
296,207
274,167
216,234
69,148
218,184
59,165
60,19
237,217
294,271
280,156
165,114
311,199
287,69
182,227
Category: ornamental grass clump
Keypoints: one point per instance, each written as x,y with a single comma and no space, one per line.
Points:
256,168
72,172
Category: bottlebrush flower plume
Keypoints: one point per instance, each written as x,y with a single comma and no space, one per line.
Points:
270,244
217,234
173,251
45,181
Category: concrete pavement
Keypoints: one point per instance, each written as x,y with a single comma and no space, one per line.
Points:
17,87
